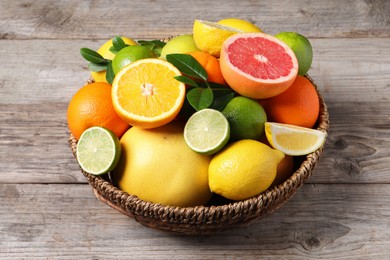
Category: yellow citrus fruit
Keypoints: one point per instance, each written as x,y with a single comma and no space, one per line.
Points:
157,165
146,94
294,140
209,36
243,169
240,24
179,44
104,50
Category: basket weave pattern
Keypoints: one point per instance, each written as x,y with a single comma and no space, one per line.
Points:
206,219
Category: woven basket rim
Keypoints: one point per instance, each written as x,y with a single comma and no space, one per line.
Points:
209,218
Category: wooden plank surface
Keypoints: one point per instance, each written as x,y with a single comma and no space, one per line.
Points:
47,211
97,19
343,223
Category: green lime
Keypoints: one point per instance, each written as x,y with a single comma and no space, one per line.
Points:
246,118
98,150
130,54
301,47
207,131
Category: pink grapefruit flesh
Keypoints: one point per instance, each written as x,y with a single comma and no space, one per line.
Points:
257,65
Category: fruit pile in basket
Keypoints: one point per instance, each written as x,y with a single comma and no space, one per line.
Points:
224,110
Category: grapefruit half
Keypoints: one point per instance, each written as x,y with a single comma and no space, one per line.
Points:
257,65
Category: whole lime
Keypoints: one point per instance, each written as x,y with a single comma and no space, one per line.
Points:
130,54
246,118
301,47
179,44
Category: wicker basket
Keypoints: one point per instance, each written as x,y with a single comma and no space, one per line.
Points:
218,216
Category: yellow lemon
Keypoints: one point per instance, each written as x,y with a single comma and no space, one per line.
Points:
104,50
156,165
240,24
243,169
209,36
179,44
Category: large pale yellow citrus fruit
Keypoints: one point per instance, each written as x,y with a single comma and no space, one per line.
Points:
156,165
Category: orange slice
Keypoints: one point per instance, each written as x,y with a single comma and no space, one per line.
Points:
146,94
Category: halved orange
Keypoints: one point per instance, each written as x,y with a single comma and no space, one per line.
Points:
146,94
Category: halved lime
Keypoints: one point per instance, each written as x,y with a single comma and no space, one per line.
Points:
207,131
98,150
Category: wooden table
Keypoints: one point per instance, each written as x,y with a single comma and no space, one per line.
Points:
47,209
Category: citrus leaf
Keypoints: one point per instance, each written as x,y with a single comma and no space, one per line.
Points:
149,45
113,50
155,46
217,86
156,43
92,56
187,65
118,43
200,98
97,67
110,75
187,80
220,102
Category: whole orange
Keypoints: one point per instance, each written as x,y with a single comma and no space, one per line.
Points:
92,106
210,64
298,105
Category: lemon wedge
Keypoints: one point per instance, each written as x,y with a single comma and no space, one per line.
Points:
294,140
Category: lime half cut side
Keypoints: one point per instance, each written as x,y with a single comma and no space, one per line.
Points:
207,131
98,150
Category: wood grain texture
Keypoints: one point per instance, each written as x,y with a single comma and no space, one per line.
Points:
24,19
328,221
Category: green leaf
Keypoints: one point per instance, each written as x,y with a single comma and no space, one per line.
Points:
220,102
155,46
200,98
97,67
148,45
187,80
92,56
155,43
110,75
188,65
216,86
113,50
118,43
